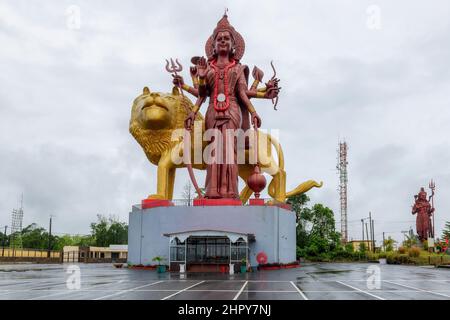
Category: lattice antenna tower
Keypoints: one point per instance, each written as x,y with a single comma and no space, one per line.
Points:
16,226
343,179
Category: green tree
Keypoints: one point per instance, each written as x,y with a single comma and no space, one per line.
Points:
118,232
349,247
362,247
104,232
323,228
108,231
4,239
389,244
85,241
62,241
446,231
410,239
73,240
35,237
99,231
298,204
316,232
303,217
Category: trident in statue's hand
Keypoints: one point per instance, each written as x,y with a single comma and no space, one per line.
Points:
432,186
174,68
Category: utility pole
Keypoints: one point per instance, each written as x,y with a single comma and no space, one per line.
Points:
373,235
362,224
49,237
367,233
3,242
370,228
384,244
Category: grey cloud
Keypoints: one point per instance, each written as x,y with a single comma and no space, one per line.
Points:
65,99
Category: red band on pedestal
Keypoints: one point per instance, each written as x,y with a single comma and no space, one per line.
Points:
256,202
153,203
217,202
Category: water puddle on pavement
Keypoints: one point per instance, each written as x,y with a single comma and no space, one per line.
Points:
317,274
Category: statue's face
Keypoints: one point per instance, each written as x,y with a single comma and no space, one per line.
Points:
422,195
223,43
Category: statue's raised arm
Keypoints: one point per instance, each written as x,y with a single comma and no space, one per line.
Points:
270,91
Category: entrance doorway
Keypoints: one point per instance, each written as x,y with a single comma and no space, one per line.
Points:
208,251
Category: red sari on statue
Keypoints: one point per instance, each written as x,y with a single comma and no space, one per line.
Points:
222,168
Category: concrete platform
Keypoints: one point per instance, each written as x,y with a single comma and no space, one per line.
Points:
269,229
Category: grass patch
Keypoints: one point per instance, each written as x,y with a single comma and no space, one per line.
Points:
412,256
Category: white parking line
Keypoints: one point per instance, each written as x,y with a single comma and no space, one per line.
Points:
48,285
67,291
174,294
299,291
354,288
240,291
57,290
346,291
128,290
418,289
174,290
14,283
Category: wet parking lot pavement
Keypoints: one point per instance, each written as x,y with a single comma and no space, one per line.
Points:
313,281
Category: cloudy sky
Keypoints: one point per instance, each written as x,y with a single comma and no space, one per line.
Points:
375,73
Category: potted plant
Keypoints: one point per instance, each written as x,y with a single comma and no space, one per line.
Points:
243,265
160,268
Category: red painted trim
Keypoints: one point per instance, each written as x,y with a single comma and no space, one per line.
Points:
217,202
256,202
153,203
269,268
280,266
141,267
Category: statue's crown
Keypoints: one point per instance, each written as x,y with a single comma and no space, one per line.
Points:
224,25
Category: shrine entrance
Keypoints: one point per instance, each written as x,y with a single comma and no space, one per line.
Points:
213,250
208,251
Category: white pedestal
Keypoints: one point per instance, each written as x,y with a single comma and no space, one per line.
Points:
271,230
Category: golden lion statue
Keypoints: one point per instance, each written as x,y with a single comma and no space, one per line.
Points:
154,118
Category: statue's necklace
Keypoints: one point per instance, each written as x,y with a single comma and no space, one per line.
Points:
221,73
221,100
